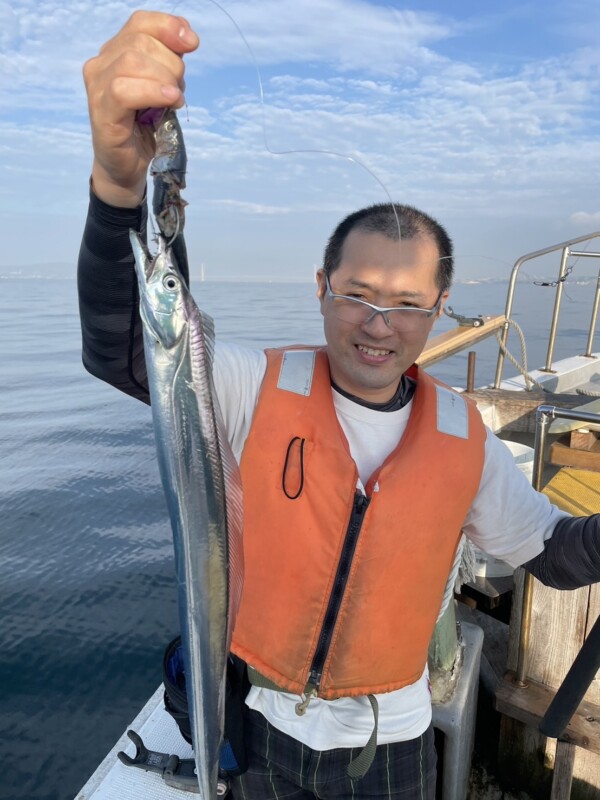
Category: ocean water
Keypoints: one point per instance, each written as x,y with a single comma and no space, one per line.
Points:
87,596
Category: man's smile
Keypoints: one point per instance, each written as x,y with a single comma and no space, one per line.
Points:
373,354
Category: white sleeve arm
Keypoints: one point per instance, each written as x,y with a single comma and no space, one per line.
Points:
508,518
238,373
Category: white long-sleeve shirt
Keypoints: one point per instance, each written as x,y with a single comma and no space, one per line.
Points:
508,520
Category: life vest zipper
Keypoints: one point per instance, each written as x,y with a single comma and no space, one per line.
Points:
361,503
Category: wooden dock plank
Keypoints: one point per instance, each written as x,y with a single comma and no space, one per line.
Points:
509,411
530,704
457,339
565,455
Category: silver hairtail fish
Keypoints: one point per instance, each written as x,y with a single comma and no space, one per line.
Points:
202,486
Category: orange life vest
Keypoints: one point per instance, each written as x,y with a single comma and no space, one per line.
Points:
373,634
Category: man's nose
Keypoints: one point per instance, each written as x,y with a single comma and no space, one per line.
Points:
376,325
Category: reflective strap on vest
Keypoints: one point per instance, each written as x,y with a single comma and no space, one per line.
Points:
358,767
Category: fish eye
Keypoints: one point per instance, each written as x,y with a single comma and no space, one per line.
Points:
171,283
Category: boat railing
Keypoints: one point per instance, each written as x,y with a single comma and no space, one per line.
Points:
567,253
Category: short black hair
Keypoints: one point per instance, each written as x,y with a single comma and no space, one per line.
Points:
384,218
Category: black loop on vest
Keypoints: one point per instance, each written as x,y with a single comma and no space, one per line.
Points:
285,467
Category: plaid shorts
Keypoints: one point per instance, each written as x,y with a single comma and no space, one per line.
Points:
281,768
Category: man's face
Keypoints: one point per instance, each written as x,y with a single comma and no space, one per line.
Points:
368,360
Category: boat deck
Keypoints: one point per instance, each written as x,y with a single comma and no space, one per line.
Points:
114,781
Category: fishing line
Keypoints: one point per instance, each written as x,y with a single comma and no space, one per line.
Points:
346,156
269,149
310,151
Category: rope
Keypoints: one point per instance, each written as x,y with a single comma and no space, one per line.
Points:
588,392
463,547
522,367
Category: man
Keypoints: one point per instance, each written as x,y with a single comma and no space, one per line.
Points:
359,470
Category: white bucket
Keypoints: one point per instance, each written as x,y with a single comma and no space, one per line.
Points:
487,566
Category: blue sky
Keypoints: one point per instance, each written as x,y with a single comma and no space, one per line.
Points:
484,114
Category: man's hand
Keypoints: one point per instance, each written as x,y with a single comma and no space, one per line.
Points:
141,67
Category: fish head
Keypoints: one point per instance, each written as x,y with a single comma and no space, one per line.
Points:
170,157
162,292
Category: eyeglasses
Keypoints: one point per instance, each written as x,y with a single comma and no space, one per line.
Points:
402,319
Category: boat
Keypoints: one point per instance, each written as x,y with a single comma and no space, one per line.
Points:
493,679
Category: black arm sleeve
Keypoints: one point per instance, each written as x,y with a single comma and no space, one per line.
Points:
571,557
111,328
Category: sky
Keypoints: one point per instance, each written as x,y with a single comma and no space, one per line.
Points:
485,114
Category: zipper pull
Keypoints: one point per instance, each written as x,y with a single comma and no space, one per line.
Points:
361,501
308,694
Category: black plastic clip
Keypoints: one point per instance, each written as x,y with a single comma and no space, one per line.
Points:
180,773
465,322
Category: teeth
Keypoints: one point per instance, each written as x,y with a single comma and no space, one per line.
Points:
371,352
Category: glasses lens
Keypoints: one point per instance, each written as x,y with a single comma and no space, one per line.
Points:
351,310
401,320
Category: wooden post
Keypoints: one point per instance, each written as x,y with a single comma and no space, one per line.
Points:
561,621
563,771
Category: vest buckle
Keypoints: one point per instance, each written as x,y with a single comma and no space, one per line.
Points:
306,697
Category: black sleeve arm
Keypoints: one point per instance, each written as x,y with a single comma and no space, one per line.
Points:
571,557
111,328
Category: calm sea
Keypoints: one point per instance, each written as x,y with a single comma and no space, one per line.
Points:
86,583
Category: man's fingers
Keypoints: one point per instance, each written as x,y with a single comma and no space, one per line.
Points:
141,67
137,64
138,93
145,55
134,50
167,69
174,32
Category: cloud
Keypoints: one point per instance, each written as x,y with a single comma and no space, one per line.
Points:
9,24
251,208
51,40
345,34
406,93
586,219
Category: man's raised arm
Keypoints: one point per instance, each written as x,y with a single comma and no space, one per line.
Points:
141,67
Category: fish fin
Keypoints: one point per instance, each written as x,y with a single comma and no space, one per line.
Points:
208,329
233,487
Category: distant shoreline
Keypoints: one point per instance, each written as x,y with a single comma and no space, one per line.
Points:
25,274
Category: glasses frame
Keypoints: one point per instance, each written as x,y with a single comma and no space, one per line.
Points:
426,312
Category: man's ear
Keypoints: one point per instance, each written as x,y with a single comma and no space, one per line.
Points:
321,285
443,300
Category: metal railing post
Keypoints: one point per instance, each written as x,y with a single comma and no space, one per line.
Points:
590,341
564,246
557,300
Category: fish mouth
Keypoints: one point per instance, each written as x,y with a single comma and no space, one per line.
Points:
144,262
